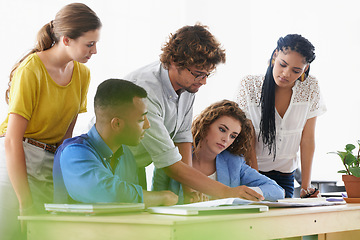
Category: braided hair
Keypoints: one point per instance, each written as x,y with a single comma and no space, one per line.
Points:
293,42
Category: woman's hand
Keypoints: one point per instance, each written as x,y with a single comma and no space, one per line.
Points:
309,192
245,192
15,159
26,212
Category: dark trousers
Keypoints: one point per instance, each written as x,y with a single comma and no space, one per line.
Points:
285,180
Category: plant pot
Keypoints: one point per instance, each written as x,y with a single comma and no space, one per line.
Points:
352,186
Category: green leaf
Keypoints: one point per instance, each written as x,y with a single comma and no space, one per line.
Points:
350,159
341,154
355,171
349,147
342,171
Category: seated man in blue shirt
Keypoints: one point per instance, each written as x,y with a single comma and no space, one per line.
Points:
98,166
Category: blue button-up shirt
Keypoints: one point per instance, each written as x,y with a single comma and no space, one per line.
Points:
82,172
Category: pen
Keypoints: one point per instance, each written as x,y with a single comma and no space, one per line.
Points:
334,199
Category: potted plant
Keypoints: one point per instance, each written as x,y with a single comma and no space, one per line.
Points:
351,175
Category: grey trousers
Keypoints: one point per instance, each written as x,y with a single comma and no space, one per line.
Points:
39,165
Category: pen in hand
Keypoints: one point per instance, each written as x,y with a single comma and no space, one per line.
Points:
308,194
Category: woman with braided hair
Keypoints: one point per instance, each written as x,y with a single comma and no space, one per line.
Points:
47,90
283,106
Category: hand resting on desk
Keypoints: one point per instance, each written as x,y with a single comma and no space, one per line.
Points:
159,198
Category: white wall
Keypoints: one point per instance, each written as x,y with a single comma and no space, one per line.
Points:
134,30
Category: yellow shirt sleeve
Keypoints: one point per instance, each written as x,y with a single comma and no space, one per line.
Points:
49,107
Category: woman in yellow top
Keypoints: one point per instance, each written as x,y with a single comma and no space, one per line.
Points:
47,90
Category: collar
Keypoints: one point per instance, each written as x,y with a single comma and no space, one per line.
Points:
101,147
118,152
167,86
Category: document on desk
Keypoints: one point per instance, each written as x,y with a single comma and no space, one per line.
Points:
237,204
301,202
287,202
94,208
213,207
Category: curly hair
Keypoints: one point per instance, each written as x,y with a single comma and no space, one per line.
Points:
202,122
192,46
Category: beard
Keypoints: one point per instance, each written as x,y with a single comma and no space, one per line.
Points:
191,90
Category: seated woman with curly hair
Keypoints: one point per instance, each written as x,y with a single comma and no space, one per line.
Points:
222,137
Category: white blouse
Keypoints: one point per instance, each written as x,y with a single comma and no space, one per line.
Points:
306,102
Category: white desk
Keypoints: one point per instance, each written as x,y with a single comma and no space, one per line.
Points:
334,222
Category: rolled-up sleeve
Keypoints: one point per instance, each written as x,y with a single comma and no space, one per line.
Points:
88,180
157,141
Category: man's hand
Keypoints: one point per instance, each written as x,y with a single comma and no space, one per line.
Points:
169,198
159,198
196,180
195,196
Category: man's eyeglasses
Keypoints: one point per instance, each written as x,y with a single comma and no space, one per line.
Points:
200,76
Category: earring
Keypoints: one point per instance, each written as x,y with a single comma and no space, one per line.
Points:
302,77
272,62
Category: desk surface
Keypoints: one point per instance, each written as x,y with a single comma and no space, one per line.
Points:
276,223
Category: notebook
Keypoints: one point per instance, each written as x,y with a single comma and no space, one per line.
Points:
94,208
188,211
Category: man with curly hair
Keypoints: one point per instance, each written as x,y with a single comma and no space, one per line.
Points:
187,60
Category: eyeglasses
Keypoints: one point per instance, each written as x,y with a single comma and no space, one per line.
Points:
200,76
